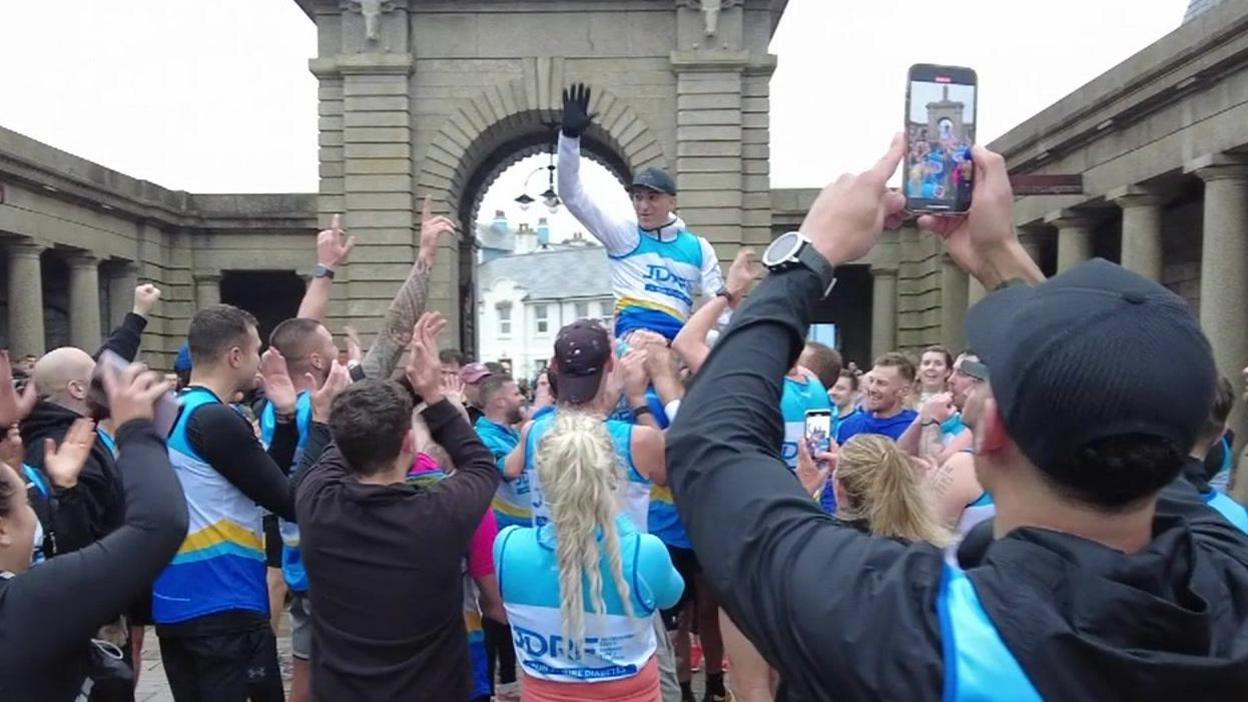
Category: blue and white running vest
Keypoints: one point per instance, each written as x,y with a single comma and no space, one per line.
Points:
981,509
978,665
1234,512
513,505
220,565
616,646
634,493
795,400
656,282
293,570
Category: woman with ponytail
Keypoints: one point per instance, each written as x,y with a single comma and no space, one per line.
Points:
878,491
581,590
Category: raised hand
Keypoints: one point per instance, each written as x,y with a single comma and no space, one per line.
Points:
453,388
744,272
63,464
279,389
983,242
133,392
323,399
576,116
145,298
11,453
355,351
13,407
333,247
847,217
939,407
424,370
431,229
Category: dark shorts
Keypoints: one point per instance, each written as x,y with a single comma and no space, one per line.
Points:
686,563
140,613
230,667
272,542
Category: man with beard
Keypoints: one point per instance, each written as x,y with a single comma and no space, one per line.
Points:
888,387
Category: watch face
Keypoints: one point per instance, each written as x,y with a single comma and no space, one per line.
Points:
782,249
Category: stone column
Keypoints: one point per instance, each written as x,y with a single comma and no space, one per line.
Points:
955,294
1031,238
26,334
84,301
1224,271
883,311
207,289
1074,238
1141,230
123,278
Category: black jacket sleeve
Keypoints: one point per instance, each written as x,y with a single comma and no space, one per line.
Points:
226,440
124,340
319,439
471,487
84,513
58,605
840,614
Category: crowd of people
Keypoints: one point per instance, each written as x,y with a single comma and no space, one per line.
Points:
1042,516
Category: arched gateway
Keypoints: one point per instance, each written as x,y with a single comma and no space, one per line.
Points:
438,97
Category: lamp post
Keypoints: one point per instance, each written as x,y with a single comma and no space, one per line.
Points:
549,198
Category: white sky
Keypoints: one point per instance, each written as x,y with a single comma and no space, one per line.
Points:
216,96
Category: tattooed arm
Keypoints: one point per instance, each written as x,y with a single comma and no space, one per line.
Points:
409,303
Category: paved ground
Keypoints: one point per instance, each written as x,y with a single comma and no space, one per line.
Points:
153,687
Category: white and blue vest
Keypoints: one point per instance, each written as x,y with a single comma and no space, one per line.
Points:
293,571
221,564
656,282
978,665
1234,512
616,646
633,493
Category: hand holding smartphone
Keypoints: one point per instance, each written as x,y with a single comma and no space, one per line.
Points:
818,432
938,172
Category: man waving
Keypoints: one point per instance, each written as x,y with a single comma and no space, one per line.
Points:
657,265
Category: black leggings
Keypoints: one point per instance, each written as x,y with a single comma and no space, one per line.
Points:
498,645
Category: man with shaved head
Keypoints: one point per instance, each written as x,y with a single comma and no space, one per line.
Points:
94,505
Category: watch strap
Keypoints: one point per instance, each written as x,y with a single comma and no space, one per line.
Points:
323,271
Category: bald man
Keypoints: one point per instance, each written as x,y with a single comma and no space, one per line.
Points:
94,505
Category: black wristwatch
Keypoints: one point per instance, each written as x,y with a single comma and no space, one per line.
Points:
792,249
323,271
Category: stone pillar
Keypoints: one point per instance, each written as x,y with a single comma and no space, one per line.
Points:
366,165
1141,230
1224,271
955,294
84,302
1074,238
1032,241
26,334
883,311
123,278
207,289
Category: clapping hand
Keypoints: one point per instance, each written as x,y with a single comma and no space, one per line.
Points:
939,408
332,245
339,379
431,229
453,388
576,116
424,370
13,407
132,393
743,274
279,389
63,464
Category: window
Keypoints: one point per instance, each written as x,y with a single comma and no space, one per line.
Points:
582,310
608,313
504,318
540,314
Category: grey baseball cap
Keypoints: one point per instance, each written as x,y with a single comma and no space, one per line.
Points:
655,179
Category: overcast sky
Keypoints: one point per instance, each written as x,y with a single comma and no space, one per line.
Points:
217,97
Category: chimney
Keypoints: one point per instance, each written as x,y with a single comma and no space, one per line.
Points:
543,234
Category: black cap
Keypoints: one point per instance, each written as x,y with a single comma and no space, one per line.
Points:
582,350
1097,351
655,179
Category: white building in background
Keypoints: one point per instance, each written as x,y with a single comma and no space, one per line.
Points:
525,297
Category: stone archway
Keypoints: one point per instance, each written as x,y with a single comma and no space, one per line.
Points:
438,96
502,125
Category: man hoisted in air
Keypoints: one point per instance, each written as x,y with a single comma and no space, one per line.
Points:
657,265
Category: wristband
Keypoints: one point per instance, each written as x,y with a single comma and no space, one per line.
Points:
323,271
284,418
639,411
929,423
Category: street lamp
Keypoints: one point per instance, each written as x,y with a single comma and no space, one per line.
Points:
550,198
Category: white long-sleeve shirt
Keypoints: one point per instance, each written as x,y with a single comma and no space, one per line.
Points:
655,275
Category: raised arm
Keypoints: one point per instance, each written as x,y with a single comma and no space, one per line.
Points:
409,304
332,250
619,236
690,343
126,338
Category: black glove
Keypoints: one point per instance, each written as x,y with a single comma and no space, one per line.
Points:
576,115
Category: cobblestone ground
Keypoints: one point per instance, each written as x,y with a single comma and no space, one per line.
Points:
153,687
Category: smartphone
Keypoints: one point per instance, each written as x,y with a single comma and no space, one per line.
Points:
940,130
166,410
818,430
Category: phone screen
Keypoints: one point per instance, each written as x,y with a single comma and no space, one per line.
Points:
940,129
818,430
